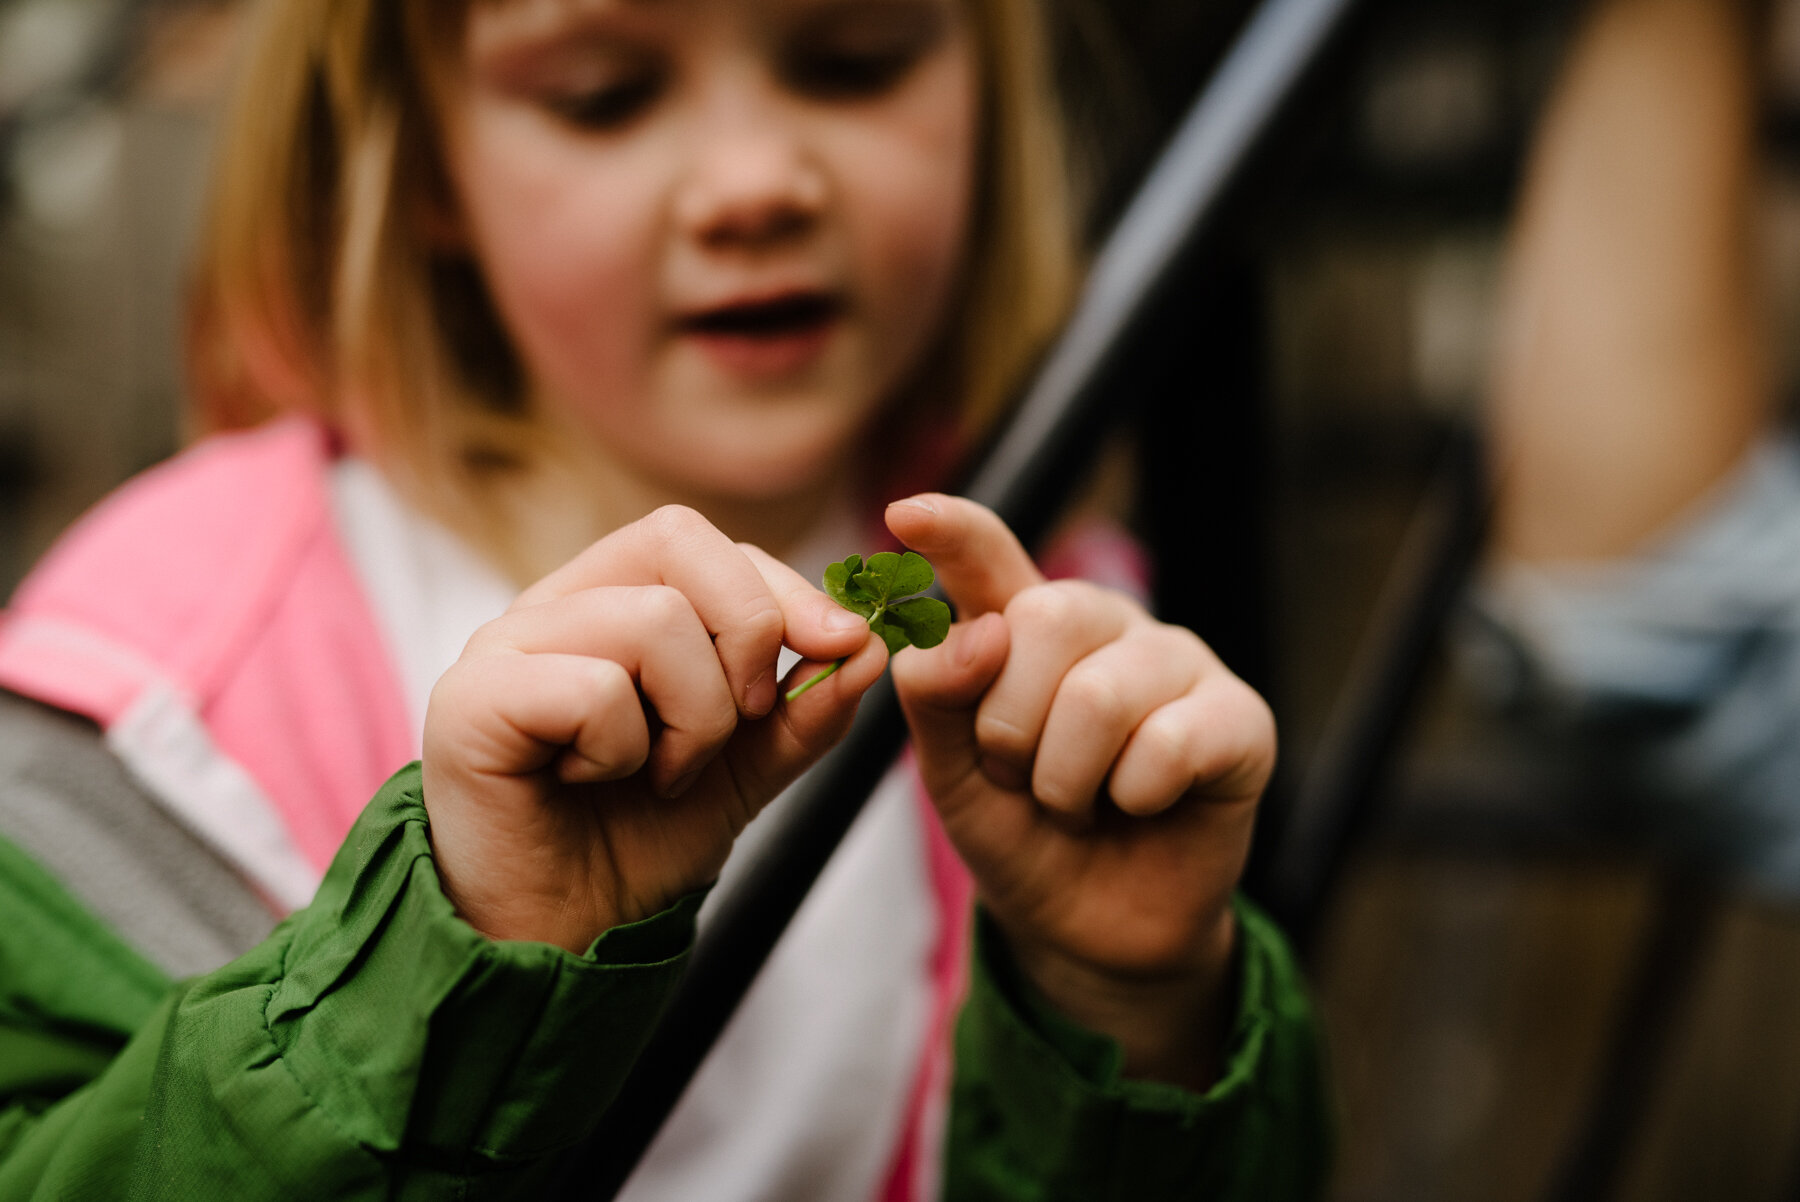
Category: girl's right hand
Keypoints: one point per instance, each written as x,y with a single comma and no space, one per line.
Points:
594,752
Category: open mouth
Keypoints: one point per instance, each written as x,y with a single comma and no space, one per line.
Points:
778,317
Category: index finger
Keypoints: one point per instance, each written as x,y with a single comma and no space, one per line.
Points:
815,626
978,560
677,547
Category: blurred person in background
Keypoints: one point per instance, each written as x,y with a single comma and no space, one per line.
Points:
1646,582
643,303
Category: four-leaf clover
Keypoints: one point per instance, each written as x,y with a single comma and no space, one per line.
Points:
884,590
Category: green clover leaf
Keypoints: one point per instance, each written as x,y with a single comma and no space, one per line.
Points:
883,590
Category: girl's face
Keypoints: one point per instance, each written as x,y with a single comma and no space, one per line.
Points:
719,232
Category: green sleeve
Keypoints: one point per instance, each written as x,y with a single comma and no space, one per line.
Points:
1040,1110
374,1046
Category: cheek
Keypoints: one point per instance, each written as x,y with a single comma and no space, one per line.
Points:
561,242
915,238
909,199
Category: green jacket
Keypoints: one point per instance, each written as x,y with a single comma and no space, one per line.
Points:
375,1046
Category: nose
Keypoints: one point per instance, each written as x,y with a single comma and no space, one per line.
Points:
752,180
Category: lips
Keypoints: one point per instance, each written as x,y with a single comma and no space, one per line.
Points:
763,336
771,317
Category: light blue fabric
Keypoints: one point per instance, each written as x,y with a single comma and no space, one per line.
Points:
1682,664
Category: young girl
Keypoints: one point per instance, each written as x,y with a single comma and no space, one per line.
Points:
672,293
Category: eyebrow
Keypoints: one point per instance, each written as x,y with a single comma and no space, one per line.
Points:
570,8
530,20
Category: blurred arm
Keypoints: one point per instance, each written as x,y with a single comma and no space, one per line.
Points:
1632,370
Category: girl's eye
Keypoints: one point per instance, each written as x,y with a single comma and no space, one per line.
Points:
846,76
609,106
858,50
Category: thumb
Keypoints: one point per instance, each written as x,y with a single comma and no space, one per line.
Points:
941,691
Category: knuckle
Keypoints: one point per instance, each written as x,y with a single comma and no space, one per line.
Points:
1260,737
997,733
763,623
664,606
485,640
1058,794
1244,709
1094,698
607,685
1164,744
1175,640
679,528
1257,710
717,724
674,519
1042,607
491,637
450,686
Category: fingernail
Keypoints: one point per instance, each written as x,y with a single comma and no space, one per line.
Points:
759,695
1004,773
839,620
919,503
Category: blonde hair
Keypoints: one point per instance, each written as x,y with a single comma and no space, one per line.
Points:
318,290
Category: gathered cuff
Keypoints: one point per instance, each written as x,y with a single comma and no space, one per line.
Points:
416,1033
1042,1108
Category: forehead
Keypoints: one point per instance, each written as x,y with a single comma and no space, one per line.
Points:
508,19
549,13
528,18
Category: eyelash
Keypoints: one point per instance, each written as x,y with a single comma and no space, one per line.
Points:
610,107
847,75
814,67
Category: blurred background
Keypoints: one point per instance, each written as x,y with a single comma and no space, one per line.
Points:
1522,1003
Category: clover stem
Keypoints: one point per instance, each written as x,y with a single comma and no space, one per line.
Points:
799,689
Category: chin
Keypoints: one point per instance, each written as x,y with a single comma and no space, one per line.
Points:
739,474
761,459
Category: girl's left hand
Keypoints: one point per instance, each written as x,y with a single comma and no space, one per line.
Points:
1099,772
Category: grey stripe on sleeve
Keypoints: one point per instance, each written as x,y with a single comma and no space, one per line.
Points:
69,803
